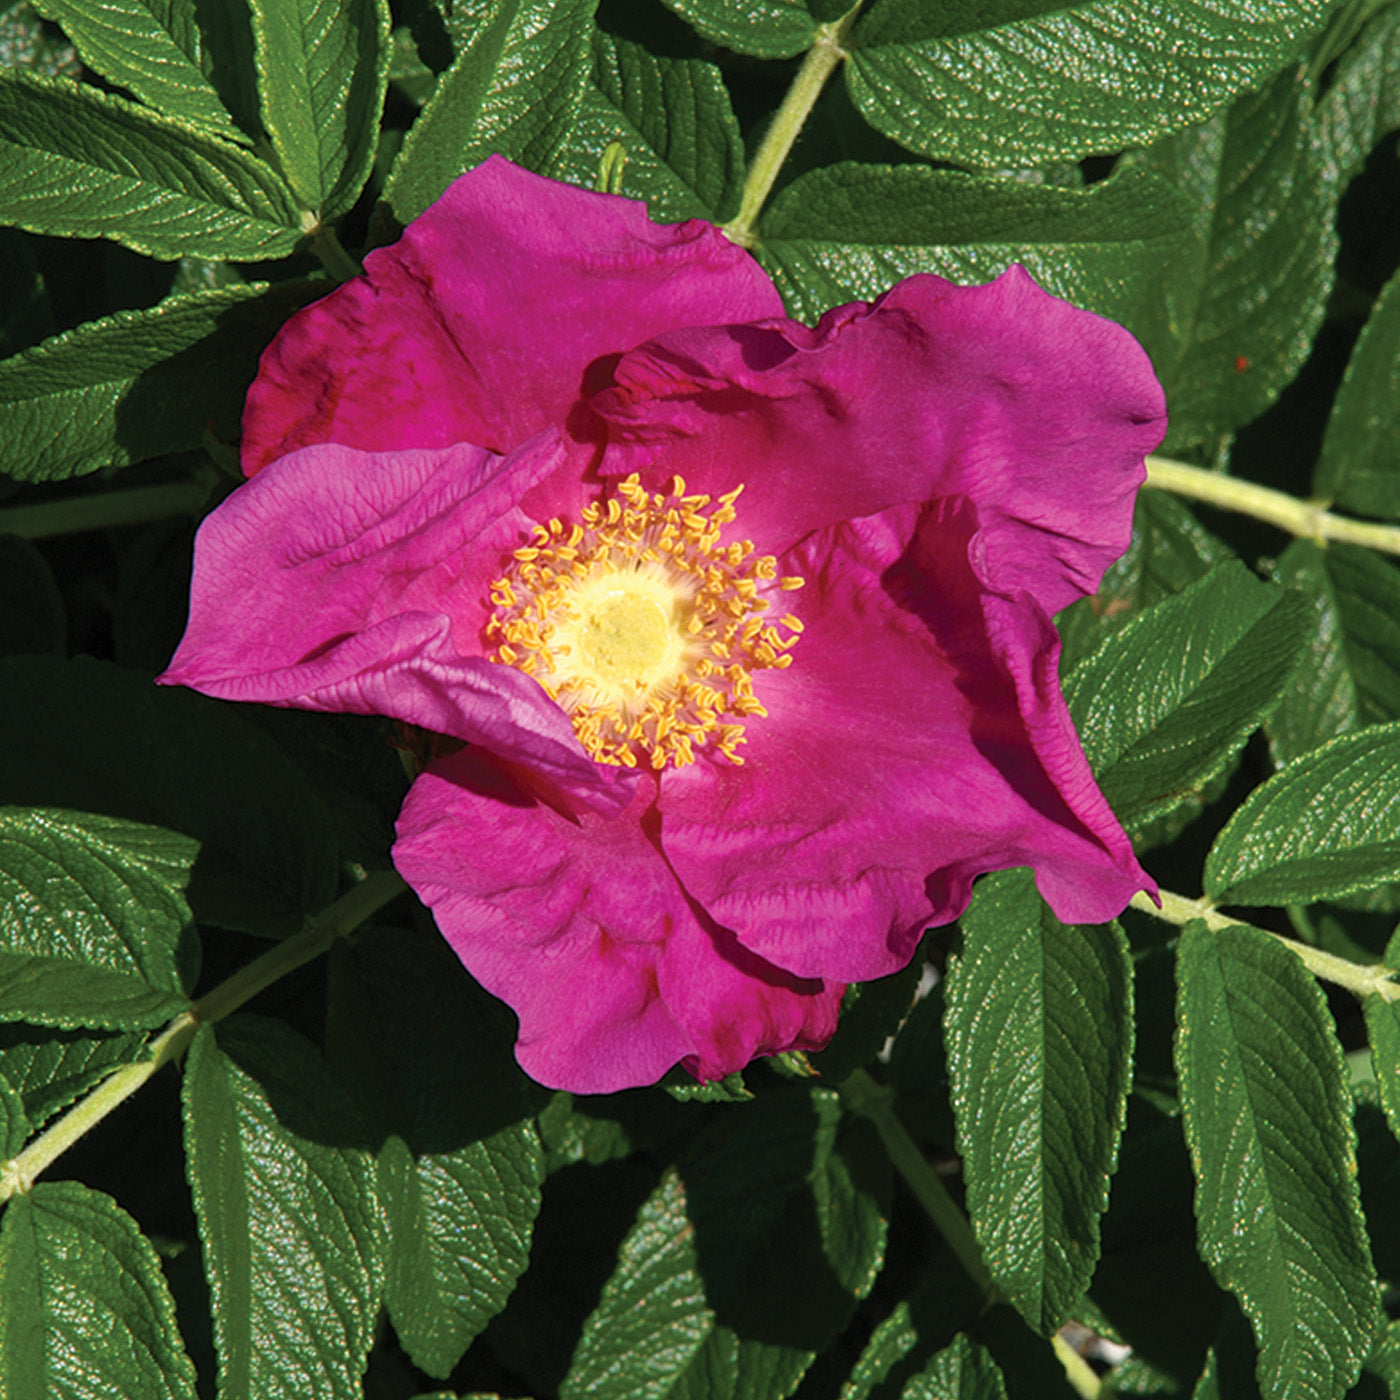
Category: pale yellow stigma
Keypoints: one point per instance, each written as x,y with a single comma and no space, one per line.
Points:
643,626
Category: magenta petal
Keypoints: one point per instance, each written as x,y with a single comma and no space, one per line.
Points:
580,926
915,743
1039,411
477,325
344,580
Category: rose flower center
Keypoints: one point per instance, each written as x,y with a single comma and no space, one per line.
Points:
643,626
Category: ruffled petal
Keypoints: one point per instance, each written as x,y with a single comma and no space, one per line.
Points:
916,742
1039,411
353,581
579,925
477,325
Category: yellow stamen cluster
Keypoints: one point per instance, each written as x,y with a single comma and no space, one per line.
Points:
643,626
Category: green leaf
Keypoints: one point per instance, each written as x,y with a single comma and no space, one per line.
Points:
85,164
652,1317
1039,1027
1169,550
851,231
1009,83
27,42
90,737
514,88
962,1371
284,1191
871,1012
95,929
760,28
1383,1031
1360,463
322,72
87,1310
1363,102
1164,704
461,1165
1326,825
746,1263
31,616
1353,672
49,1068
138,384
153,49
684,152
1267,1118
14,1123
1247,293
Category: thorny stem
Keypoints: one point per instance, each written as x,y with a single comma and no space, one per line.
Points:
1374,980
315,938
1309,520
823,59
103,509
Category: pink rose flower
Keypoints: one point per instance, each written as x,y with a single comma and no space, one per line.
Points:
746,626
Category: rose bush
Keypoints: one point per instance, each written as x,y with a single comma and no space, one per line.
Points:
745,626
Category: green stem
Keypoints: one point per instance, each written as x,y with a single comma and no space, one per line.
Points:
319,933
864,1096
1374,980
823,59
1308,520
332,254
104,509
1082,1377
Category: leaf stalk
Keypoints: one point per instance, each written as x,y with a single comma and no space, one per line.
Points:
316,937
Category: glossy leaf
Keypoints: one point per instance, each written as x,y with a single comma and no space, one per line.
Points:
88,736
461,1163
87,1310
1246,293
683,151
1326,825
322,71
138,384
1353,672
962,1371
152,48
95,929
49,1068
515,87
289,1217
85,164
849,231
1360,464
1383,1031
14,1124
1040,1033
1362,103
1008,84
1267,1117
1163,705
762,28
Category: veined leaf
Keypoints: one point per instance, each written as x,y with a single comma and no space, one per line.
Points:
761,28
87,1310
322,70
154,49
85,164
514,88
1247,293
14,1123
288,1214
684,153
1267,1118
1326,825
1363,102
49,1068
1360,463
1008,83
1203,669
94,928
962,1371
1353,672
1039,1028
138,384
851,231
1383,1031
